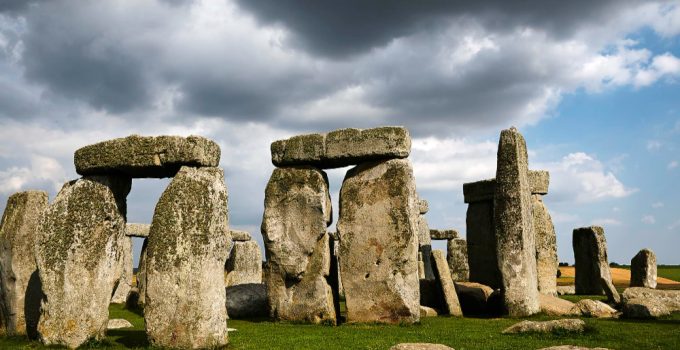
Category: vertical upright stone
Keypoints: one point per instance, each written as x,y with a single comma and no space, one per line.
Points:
19,282
141,273
546,247
481,233
424,240
78,249
443,276
456,255
297,211
125,274
514,226
378,229
643,269
244,264
187,247
592,267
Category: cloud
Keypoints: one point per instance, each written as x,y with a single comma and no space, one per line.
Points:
605,222
657,205
41,171
648,219
560,217
673,164
674,225
653,145
582,178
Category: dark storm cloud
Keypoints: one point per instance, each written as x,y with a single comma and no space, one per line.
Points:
341,28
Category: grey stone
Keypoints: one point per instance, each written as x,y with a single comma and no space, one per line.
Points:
423,206
539,180
554,306
473,298
420,346
481,244
240,236
456,256
247,301
643,269
297,211
639,302
479,191
443,234
546,247
77,250
592,267
566,290
426,311
132,301
187,247
513,219
137,230
563,325
342,147
645,309
118,323
141,273
379,243
244,265
443,275
19,283
425,248
125,272
593,308
146,156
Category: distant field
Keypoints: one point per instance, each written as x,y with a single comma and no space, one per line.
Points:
668,276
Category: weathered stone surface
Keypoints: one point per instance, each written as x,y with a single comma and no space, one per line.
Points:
473,297
146,156
571,347
479,191
546,247
456,255
426,311
515,246
379,243
187,246
423,206
77,250
443,275
592,266
554,306
342,147
593,308
443,234
19,283
132,301
643,269
141,273
240,236
420,346
566,290
118,323
247,301
563,325
425,248
125,272
610,291
137,230
641,302
244,264
539,180
481,244
296,215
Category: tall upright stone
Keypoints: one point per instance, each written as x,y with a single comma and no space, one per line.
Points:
188,245
77,250
592,267
125,274
643,269
457,258
481,233
546,247
244,265
297,211
424,240
19,282
513,219
378,230
141,273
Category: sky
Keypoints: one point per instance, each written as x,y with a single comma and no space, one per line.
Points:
594,86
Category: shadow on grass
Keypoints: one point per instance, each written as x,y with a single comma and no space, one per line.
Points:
129,338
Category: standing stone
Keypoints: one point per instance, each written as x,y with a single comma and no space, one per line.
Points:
19,285
297,211
188,244
378,230
514,224
443,275
458,260
546,247
78,250
141,273
126,272
481,233
244,264
424,241
643,269
592,267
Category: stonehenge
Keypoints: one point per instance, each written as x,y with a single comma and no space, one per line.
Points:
643,269
244,264
457,258
592,266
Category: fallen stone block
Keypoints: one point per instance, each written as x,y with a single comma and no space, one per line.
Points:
554,306
594,308
426,311
566,290
569,325
246,301
443,275
473,298
639,302
146,156
118,323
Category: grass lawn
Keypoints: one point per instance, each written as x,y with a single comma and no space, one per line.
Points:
459,333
